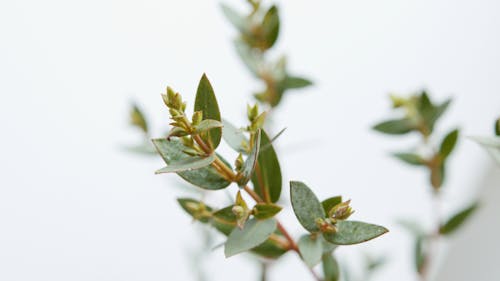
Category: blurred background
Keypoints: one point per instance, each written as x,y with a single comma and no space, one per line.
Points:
75,206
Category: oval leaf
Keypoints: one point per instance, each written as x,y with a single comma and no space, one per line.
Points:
395,127
264,211
448,144
292,82
195,209
267,176
354,232
331,202
206,177
310,249
306,205
330,268
207,103
458,220
254,233
187,164
410,158
234,137
208,124
271,26
250,163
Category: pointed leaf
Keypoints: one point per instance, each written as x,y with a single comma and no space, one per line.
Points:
234,137
254,233
311,250
306,205
236,19
208,124
187,164
137,119
410,158
293,82
207,103
354,232
331,202
251,61
271,26
267,176
420,254
196,209
395,127
448,144
456,221
206,177
491,144
263,211
330,268
250,162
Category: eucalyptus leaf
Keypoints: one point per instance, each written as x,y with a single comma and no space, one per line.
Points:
457,220
251,161
234,137
267,179
187,164
448,144
254,233
354,232
306,206
265,210
249,58
271,26
194,207
395,127
240,22
208,124
410,158
420,254
497,127
207,103
491,144
145,149
437,176
293,82
331,202
311,249
330,268
137,119
224,220
206,177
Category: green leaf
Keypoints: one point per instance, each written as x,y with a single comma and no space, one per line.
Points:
145,149
197,209
311,249
439,110
206,177
331,202
248,57
251,161
306,205
413,227
410,158
420,253
265,211
236,19
395,127
437,176
292,82
207,103
458,220
448,144
208,124
271,26
267,176
224,220
137,119
330,268
269,249
497,127
187,164
234,137
254,233
354,232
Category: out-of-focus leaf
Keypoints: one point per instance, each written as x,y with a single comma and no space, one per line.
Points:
271,26
491,144
239,21
410,158
234,137
137,119
306,205
249,58
196,209
331,202
206,178
145,148
457,220
207,103
437,176
311,249
264,211
354,232
250,162
330,268
208,124
420,254
293,82
254,233
187,164
497,127
267,176
395,127
413,227
269,249
448,144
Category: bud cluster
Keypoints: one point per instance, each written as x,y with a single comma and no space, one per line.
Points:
339,212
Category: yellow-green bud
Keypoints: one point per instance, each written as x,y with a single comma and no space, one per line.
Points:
341,211
239,162
197,117
252,112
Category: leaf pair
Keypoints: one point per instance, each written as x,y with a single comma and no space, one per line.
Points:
308,210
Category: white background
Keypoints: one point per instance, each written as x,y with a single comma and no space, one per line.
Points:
75,206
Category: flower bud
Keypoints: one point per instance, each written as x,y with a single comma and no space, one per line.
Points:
197,117
341,211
